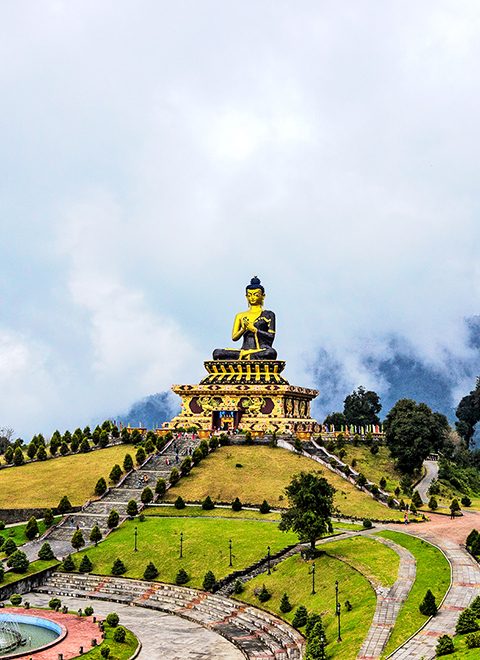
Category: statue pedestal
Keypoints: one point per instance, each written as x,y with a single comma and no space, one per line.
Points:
249,395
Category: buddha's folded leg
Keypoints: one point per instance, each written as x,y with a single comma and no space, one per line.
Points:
226,354
263,354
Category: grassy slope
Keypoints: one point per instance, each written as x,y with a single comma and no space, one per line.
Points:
374,467
17,532
118,651
43,484
375,561
264,475
433,572
292,577
205,546
34,567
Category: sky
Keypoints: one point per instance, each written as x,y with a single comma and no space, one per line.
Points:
156,155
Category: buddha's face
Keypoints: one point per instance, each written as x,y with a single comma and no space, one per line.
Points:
255,296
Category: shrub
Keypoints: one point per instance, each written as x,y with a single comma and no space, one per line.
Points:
285,605
238,587
18,457
475,606
466,501
454,506
209,581
466,622
15,599
151,572
132,508
77,540
161,487
383,483
55,604
64,505
42,454
207,504
186,466
85,565
312,620
264,594
473,640
113,518
182,577
2,524
428,606
374,449
2,572
300,617
68,565
197,456
9,547
264,507
362,480
88,610
112,619
31,530
118,568
416,499
213,443
48,518
95,535
140,456
147,495
432,503
236,505
127,463
413,508
367,524
84,446
444,646
174,476
120,635
391,502
115,474
64,448
18,562
203,446
46,553
105,651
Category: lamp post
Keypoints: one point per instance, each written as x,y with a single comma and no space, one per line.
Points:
312,573
181,545
337,611
135,534
268,561
230,548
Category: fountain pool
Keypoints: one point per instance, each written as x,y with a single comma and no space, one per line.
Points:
21,633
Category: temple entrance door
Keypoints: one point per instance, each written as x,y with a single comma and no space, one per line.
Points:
225,420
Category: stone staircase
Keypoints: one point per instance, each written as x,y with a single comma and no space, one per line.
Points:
256,633
95,512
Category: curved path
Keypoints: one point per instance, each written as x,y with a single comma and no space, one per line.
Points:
431,473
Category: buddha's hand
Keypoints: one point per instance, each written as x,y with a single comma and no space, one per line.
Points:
249,326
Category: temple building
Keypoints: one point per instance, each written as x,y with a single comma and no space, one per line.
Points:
244,387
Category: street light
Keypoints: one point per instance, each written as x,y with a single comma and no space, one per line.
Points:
230,548
312,573
268,561
135,534
181,545
337,611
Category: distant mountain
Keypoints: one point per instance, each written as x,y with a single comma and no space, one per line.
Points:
150,412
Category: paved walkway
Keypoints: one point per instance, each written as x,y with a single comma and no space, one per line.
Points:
169,637
431,473
389,602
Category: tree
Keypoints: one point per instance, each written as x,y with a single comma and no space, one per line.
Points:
209,581
118,567
362,407
48,518
412,432
46,553
127,463
335,419
9,547
197,456
467,622
31,450
264,594
182,577
312,620
432,503
95,535
310,498
113,519
132,508
9,455
362,480
444,646
31,530
64,506
203,446
151,572
100,487
179,503
68,565
428,606
383,483
84,446
416,499
140,456
174,476
103,439
454,507
2,572
186,466
316,643
236,505
207,504
85,565
77,540
466,501
468,414
161,487
300,617
120,635
264,507
112,619
18,562
147,495
473,535
64,449
115,474
285,605
18,457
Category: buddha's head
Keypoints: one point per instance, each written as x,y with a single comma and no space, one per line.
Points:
255,292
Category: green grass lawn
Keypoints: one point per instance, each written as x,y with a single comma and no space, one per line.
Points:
292,577
217,512
264,474
42,484
205,546
17,532
462,652
374,467
34,567
433,572
118,651
374,560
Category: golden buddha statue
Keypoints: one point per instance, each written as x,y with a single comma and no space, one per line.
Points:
256,326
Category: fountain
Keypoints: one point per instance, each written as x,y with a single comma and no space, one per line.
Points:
20,633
